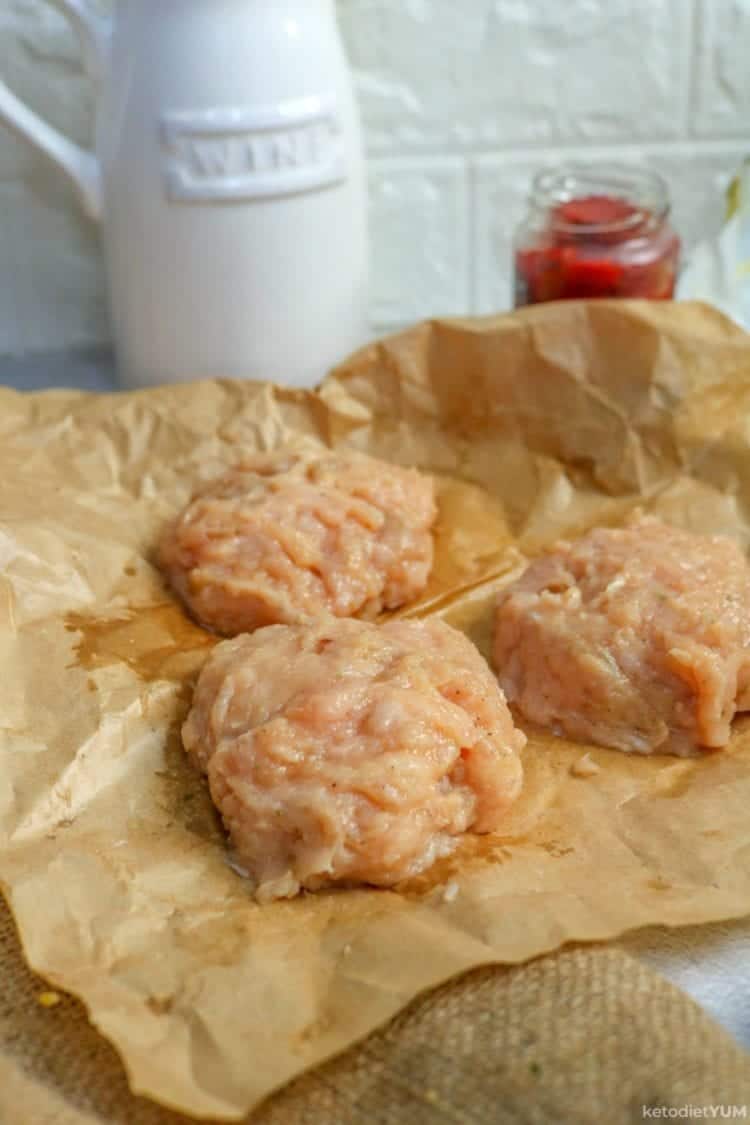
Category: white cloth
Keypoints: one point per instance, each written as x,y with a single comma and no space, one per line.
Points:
711,963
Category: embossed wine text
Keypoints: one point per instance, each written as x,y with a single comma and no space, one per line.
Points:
227,154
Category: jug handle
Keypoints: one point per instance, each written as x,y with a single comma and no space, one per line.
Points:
80,165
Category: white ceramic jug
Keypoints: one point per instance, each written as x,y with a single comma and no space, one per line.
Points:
229,180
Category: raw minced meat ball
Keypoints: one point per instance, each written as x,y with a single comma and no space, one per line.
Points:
348,751
636,638
286,538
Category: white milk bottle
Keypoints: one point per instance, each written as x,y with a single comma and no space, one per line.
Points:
228,178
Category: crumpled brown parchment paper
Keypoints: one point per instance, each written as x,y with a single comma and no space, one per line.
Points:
536,424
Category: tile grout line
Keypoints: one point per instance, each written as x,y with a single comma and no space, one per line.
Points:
428,158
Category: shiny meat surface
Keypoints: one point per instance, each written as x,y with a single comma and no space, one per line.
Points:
287,538
635,638
347,751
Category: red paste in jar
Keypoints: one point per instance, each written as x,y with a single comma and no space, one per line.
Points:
597,246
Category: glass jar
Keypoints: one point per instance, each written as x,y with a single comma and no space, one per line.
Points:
596,231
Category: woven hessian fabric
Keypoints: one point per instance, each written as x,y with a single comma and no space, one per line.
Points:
588,1035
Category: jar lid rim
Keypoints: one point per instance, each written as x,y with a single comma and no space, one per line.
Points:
641,187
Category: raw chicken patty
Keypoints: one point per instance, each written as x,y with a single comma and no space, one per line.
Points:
287,538
348,751
635,638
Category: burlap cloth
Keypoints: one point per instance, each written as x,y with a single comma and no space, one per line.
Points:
587,1035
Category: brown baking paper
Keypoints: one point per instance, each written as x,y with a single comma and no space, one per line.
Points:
536,424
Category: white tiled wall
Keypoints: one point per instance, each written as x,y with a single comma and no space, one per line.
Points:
462,101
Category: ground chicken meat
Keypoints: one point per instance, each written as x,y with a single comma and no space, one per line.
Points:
348,751
635,638
288,538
